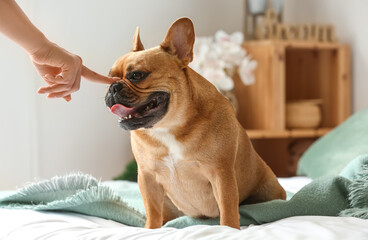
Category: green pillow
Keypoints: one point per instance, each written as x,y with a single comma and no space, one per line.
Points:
332,152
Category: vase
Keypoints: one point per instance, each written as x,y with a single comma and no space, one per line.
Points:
257,6
277,5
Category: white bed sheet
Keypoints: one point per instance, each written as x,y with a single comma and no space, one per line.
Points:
29,225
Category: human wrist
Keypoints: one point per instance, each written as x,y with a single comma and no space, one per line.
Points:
35,43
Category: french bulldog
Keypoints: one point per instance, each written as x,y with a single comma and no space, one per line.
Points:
194,158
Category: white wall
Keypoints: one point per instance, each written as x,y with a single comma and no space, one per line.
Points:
350,19
39,137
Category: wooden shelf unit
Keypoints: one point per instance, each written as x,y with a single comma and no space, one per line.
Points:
289,71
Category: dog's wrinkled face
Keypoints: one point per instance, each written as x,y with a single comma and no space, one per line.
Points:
138,99
149,78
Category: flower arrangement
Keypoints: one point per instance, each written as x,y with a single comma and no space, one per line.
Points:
217,57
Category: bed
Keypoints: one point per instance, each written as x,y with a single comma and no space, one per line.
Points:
30,224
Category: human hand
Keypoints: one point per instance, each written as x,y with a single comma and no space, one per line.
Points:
62,71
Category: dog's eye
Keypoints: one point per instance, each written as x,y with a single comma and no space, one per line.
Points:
136,76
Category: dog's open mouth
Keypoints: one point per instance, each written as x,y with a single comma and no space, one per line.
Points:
142,115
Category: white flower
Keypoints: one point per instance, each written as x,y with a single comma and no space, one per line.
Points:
236,38
219,78
246,69
215,56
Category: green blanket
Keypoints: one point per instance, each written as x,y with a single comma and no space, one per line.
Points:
344,195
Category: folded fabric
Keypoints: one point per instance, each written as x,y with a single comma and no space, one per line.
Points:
121,201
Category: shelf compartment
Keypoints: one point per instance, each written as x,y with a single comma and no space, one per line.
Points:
317,74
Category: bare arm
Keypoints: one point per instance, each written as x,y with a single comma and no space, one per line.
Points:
60,69
15,25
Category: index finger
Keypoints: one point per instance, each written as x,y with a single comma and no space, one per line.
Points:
95,77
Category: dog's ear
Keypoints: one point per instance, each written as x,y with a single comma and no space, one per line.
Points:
179,40
137,44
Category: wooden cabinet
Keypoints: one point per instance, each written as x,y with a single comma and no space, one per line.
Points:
289,71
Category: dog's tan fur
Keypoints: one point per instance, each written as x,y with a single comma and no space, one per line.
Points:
197,160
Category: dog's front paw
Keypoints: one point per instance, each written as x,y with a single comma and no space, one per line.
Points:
233,224
152,225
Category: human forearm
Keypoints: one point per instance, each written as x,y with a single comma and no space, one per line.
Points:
15,25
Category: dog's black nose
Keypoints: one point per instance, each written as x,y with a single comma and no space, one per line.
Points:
116,87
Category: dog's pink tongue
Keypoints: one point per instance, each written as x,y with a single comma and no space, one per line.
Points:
120,110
